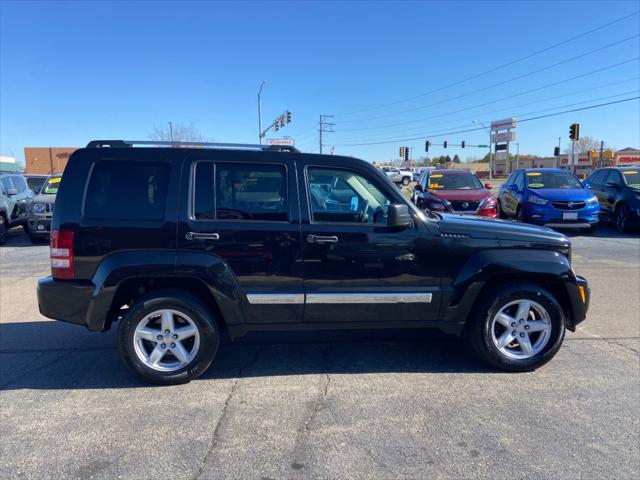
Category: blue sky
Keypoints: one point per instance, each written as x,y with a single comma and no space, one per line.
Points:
75,71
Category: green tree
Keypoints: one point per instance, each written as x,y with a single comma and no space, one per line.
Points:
456,159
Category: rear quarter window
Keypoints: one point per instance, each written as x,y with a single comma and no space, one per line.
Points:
127,190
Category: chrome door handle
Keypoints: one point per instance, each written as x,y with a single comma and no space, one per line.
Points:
322,239
202,236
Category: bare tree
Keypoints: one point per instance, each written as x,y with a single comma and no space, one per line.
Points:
584,144
176,133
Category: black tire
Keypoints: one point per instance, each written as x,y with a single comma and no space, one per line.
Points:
501,213
520,215
479,326
3,230
181,302
623,218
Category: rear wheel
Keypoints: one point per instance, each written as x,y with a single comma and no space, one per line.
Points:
168,337
623,218
518,328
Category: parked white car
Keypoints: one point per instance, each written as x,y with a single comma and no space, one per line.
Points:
398,176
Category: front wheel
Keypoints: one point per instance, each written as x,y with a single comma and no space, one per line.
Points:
3,230
518,328
520,215
168,337
405,181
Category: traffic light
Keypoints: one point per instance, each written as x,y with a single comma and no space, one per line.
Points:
444,144
462,144
288,116
427,144
574,131
556,152
401,152
276,125
282,120
406,154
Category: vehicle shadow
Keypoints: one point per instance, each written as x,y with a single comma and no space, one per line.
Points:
51,355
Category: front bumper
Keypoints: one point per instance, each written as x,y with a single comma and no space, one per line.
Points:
39,225
549,216
579,297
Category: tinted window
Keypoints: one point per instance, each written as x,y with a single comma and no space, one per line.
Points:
454,181
127,190
20,184
6,184
614,178
519,181
203,192
598,177
345,196
251,192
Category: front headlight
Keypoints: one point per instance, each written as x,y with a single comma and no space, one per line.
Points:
38,207
593,199
537,200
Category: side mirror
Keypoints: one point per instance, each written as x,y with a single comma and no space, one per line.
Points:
488,186
418,187
398,216
12,191
609,184
36,191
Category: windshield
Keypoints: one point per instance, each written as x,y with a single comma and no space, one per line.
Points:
552,180
631,178
454,181
51,186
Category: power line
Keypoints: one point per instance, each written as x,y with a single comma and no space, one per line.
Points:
511,108
519,94
486,72
530,113
503,82
422,137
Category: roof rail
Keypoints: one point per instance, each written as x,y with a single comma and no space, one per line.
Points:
153,143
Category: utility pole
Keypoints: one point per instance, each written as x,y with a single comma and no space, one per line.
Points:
518,156
573,156
329,127
600,162
490,155
260,134
171,130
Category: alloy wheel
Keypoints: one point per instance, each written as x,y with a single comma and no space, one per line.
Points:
622,218
521,329
166,340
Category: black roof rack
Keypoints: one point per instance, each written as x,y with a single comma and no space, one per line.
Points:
153,143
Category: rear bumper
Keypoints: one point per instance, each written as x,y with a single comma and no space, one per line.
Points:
65,300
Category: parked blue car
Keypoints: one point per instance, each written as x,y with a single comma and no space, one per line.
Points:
548,196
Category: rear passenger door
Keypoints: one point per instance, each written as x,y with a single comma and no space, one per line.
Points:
242,207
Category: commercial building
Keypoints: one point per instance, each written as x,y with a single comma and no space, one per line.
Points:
46,160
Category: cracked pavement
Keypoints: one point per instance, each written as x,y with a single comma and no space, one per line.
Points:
325,405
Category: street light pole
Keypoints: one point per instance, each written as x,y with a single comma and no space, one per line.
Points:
518,156
490,156
260,112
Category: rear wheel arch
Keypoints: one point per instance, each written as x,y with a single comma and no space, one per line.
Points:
130,290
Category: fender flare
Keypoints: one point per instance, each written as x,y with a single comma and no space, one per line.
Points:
488,265
119,267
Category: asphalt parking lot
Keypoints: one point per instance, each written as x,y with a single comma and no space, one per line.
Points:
366,405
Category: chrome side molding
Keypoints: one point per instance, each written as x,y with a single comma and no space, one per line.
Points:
337,298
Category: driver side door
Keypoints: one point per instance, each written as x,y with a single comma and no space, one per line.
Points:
356,268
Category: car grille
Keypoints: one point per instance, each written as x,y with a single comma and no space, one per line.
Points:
568,205
464,205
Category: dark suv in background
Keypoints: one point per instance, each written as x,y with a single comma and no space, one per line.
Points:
177,245
618,192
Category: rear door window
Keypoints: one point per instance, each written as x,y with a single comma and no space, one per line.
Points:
614,178
127,190
251,192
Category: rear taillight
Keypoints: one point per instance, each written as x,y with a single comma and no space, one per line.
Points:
62,255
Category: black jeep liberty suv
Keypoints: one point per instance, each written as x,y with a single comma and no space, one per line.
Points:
180,245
